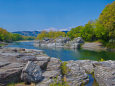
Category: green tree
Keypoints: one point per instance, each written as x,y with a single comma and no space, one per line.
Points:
50,34
101,32
75,32
107,19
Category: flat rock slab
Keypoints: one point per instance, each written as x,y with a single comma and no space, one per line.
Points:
13,60
105,73
77,75
10,73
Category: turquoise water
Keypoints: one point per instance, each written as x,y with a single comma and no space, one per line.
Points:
68,54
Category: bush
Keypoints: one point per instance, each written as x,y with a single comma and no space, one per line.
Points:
64,68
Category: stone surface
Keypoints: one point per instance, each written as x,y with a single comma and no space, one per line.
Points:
52,71
64,42
77,75
31,73
12,61
10,72
105,73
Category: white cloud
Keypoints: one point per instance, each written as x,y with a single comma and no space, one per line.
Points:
51,29
56,29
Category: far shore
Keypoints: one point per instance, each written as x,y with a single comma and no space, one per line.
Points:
25,41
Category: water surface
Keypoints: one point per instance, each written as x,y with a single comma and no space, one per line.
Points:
68,54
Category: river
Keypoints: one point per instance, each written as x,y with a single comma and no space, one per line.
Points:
68,54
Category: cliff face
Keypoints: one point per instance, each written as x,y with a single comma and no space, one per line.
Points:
17,64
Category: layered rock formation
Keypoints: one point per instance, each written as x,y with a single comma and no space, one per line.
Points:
64,42
27,65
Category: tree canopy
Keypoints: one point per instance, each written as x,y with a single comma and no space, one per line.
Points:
51,34
107,19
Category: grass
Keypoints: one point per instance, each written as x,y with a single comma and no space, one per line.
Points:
2,45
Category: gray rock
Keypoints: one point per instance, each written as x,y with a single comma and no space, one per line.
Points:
10,73
87,65
52,71
74,45
42,61
78,40
105,74
53,64
60,42
31,73
2,64
77,74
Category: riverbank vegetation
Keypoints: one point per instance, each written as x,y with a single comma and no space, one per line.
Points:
50,34
102,29
6,36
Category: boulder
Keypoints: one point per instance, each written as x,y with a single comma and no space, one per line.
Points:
74,45
31,73
62,40
105,73
77,75
42,61
87,65
52,71
10,72
78,40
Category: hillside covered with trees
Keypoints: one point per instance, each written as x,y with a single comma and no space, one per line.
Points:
6,36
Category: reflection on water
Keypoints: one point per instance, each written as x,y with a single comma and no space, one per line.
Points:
68,54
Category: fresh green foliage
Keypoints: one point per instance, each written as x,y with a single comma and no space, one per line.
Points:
86,32
58,83
101,59
11,84
107,19
64,68
6,36
101,29
51,34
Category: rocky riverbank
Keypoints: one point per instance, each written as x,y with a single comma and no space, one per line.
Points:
2,44
28,65
61,42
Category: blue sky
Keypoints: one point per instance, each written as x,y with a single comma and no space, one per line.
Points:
30,15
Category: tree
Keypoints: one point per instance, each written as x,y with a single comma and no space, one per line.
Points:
107,19
75,32
51,34
100,31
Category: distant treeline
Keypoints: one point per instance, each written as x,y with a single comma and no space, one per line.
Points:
102,29
6,36
50,34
